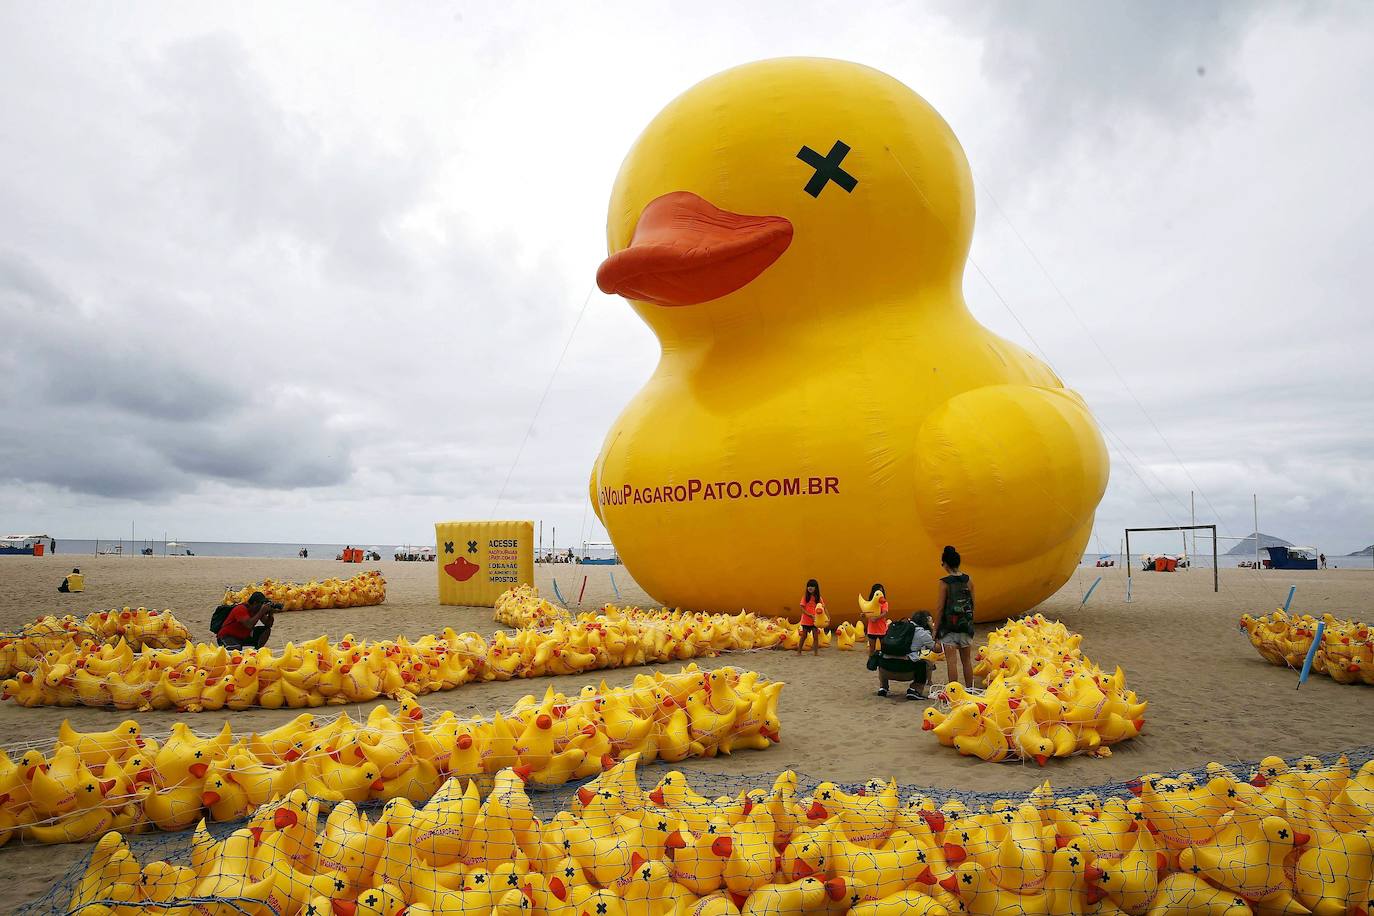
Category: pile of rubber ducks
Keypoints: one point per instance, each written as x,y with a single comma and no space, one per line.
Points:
1043,698
201,677
137,628
363,590
122,779
1294,840
1346,653
522,608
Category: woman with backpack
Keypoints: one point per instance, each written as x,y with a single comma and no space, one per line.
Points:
954,616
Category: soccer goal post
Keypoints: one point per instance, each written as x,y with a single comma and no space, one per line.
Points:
1216,574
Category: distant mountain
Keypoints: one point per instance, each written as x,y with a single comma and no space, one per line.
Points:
1246,547
1367,552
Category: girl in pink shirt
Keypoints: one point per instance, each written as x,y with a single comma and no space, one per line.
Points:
811,604
876,626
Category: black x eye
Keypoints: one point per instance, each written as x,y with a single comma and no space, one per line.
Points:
827,168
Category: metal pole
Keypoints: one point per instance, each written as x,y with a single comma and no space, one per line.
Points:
1128,561
1256,498
1192,518
1216,572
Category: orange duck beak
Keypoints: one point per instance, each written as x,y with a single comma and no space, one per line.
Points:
686,251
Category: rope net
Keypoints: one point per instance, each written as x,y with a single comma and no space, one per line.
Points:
363,590
206,678
84,784
124,631
1043,698
1346,652
1267,837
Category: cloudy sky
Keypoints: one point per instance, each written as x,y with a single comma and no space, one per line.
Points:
303,272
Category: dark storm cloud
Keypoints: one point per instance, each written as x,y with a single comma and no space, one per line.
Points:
1077,68
106,408
75,357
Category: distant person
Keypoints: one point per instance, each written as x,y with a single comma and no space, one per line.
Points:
246,624
812,611
53,545
1321,558
73,583
954,619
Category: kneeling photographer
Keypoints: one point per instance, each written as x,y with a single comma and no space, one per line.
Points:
245,625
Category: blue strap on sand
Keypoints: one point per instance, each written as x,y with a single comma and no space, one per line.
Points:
1089,593
1289,603
617,591
561,599
1311,653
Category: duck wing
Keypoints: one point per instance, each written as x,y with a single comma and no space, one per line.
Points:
1008,472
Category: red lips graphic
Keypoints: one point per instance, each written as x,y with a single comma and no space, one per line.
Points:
462,569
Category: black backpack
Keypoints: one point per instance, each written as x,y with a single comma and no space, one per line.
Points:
959,607
220,615
897,639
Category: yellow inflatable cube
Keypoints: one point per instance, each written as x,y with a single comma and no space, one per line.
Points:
480,560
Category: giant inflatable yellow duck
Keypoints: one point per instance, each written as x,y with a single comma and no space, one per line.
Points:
794,232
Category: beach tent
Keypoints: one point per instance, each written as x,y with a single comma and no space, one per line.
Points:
35,544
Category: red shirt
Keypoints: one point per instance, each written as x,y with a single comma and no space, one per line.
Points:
236,624
808,612
877,626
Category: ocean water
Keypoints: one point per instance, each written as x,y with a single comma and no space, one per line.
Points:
79,546
86,547
1203,559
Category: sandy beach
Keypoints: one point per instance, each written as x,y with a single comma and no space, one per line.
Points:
1211,696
